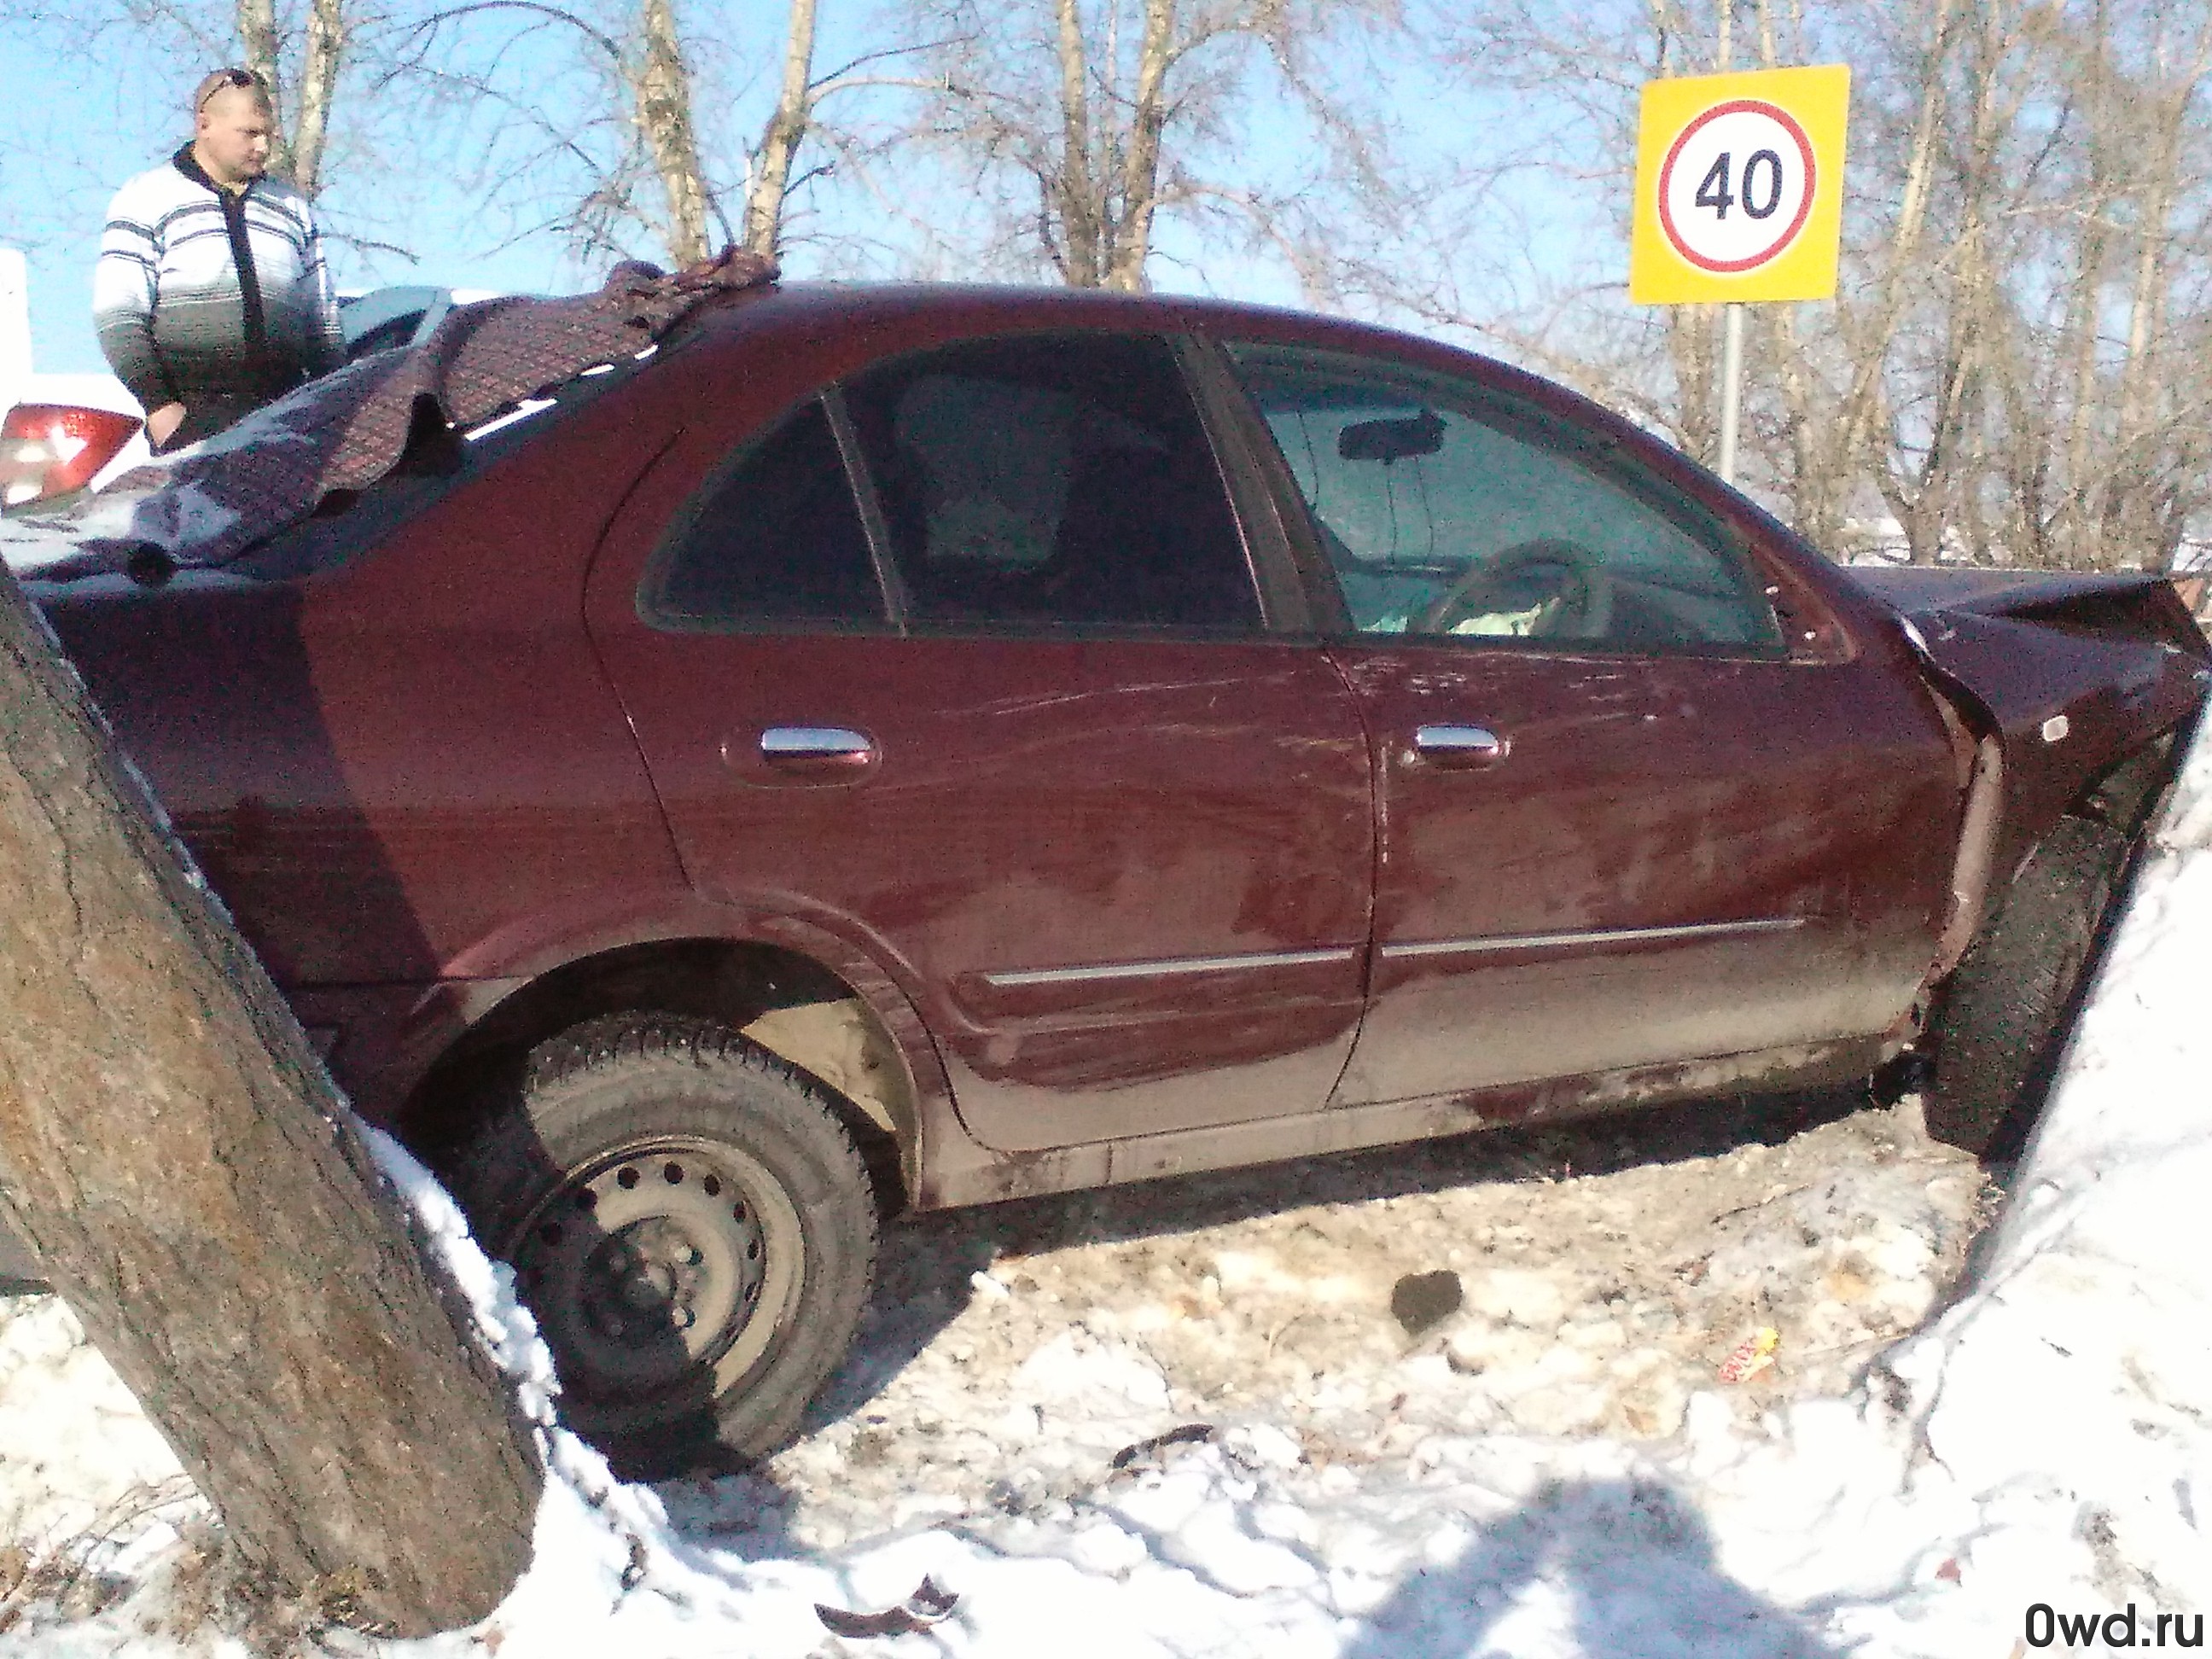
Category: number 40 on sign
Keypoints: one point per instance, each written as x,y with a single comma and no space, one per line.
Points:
1739,187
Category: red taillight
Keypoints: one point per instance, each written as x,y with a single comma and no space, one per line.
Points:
50,449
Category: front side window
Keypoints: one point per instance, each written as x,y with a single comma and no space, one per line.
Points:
1447,510
1052,480
773,538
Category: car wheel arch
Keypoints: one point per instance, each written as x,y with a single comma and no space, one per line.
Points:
1998,837
2120,794
787,1001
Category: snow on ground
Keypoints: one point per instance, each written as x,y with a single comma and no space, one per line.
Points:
1551,1469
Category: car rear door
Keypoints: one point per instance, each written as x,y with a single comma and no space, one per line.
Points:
961,661
1622,823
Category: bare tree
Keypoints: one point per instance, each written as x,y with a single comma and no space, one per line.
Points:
2132,468
2008,370
574,142
304,99
198,1193
661,101
303,49
786,129
773,171
1089,122
570,122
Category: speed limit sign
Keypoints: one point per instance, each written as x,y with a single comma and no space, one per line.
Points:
1739,187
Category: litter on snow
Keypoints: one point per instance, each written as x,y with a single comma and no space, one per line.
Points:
1209,1418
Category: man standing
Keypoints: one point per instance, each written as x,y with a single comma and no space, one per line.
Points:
211,296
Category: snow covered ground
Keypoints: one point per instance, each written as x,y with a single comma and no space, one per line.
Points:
1183,1419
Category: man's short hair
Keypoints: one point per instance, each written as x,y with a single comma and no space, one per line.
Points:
242,80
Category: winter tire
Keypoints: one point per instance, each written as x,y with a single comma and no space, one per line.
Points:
689,1223
2004,1018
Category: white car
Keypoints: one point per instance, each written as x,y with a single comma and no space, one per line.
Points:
61,432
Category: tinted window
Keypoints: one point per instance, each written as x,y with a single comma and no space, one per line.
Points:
1054,481
1446,508
774,536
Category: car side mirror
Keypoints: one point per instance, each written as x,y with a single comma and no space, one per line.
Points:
1394,437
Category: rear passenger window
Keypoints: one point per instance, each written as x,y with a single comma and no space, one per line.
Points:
773,536
1053,481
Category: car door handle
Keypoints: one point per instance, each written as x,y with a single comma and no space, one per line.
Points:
1459,746
816,749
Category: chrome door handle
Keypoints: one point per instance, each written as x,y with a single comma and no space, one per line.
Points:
1460,745
815,748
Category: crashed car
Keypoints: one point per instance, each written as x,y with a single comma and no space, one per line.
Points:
882,748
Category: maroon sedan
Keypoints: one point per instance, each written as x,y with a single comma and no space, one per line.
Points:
919,746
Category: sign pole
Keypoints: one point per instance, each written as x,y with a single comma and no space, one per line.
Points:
1739,200
1731,387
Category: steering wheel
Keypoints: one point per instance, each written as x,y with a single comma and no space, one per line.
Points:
1523,577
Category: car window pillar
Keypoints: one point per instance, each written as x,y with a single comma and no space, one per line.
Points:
871,505
1296,586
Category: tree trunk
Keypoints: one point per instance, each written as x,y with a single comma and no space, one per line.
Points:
199,1192
786,129
1083,210
295,148
318,81
663,95
1140,167
257,35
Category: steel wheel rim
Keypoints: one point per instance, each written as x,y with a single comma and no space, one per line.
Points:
659,1272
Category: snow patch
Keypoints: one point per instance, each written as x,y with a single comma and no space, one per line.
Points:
1550,1471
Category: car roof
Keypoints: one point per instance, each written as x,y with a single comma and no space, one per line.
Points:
814,311
1046,306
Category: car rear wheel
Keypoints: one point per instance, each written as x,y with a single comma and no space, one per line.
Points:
690,1225
2002,1022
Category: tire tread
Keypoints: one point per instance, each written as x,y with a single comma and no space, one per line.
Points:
561,1076
2003,1021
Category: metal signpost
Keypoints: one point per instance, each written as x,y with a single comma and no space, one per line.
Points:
1739,199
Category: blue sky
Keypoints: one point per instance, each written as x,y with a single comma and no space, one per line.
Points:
85,119
54,212
75,131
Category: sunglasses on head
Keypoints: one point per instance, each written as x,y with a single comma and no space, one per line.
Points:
222,78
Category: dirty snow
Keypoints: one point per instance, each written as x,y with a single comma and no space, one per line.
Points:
1551,1468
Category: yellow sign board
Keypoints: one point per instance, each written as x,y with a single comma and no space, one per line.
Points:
1740,186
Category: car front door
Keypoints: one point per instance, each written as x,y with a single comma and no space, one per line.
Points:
963,661
1622,824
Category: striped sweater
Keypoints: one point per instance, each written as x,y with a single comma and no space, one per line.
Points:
208,297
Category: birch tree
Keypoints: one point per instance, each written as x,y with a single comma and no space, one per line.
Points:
1088,122
2008,370
786,129
564,122
304,50
773,172
301,60
660,102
